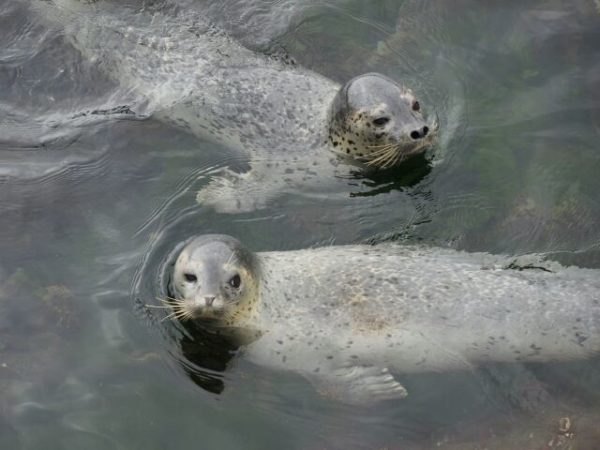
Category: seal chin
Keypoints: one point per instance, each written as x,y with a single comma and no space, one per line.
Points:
389,155
395,153
204,313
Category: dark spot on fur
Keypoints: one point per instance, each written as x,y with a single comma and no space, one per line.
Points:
580,338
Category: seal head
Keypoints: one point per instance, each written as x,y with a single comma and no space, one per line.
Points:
215,279
378,122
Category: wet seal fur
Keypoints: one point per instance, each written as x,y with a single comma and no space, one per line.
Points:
299,129
350,318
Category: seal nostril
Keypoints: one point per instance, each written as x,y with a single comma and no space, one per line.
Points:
209,300
425,130
415,135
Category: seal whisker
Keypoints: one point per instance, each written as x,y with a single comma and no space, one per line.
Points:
391,155
383,150
169,316
383,155
379,156
178,303
175,304
399,158
184,315
229,259
373,162
385,158
167,300
379,145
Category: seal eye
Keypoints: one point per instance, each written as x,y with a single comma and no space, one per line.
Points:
381,121
190,277
416,106
235,281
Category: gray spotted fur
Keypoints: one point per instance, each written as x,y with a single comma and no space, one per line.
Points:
194,76
347,316
416,308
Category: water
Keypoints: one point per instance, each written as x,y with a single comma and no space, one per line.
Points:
89,209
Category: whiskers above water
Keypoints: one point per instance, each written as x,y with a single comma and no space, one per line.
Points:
386,155
182,312
178,306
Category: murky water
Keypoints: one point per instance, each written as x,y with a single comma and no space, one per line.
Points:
90,207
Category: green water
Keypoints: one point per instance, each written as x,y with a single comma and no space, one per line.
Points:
517,89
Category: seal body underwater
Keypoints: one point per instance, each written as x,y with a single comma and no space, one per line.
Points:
298,128
350,318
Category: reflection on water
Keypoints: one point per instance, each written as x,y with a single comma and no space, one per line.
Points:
87,205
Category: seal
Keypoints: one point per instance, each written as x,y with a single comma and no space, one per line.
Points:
298,128
351,318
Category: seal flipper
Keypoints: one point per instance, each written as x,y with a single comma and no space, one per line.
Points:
533,262
359,385
232,192
122,112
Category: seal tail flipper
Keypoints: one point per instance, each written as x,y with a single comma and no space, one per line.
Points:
359,385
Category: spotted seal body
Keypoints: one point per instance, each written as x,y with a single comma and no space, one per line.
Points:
298,128
351,318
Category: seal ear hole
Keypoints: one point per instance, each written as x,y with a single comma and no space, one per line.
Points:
235,281
190,277
381,121
416,106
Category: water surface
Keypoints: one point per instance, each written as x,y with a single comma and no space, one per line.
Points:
89,208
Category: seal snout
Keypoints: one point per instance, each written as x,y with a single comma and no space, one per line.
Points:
204,302
205,307
419,133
